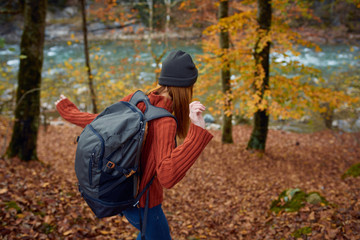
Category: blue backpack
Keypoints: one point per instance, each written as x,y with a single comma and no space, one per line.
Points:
107,162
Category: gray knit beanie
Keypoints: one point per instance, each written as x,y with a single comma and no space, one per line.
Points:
178,70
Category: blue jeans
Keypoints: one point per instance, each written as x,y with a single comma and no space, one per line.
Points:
157,226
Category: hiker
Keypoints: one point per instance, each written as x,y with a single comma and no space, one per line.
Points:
160,156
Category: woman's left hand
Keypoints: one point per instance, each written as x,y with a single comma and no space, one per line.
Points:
62,97
196,109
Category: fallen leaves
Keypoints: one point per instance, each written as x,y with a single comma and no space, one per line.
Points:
3,190
225,195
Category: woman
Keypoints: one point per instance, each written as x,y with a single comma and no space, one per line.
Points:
160,156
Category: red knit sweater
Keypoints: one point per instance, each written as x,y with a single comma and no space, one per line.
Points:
159,155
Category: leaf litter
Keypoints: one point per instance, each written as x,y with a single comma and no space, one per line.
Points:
227,194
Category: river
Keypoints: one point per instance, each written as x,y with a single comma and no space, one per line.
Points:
330,60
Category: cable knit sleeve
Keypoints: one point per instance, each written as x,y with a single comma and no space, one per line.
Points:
173,163
71,113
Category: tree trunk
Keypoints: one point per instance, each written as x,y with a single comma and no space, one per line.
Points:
151,17
157,60
327,115
150,4
225,78
87,59
167,22
27,110
261,55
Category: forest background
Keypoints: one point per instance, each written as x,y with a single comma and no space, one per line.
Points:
298,188
118,25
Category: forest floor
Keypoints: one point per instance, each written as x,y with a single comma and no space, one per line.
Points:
226,194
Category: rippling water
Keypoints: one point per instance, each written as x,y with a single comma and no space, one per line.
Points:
330,60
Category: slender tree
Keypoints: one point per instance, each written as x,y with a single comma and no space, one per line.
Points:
151,18
225,77
156,58
168,4
87,59
167,22
27,110
261,55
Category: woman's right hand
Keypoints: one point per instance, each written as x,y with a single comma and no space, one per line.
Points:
62,97
196,109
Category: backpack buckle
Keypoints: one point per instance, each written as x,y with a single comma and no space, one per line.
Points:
136,204
110,164
130,173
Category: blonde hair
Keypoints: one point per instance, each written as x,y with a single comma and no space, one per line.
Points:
181,98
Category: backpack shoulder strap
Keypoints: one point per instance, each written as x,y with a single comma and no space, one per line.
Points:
151,112
140,96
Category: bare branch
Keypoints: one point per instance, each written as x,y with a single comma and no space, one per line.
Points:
9,12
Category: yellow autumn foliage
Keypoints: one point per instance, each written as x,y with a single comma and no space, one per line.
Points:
292,90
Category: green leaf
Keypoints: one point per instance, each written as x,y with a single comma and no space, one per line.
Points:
301,232
13,204
292,200
47,228
2,42
314,198
291,192
353,171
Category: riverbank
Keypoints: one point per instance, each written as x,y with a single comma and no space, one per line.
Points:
63,33
66,25
334,36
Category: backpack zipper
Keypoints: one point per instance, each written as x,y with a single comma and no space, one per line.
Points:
90,167
102,146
